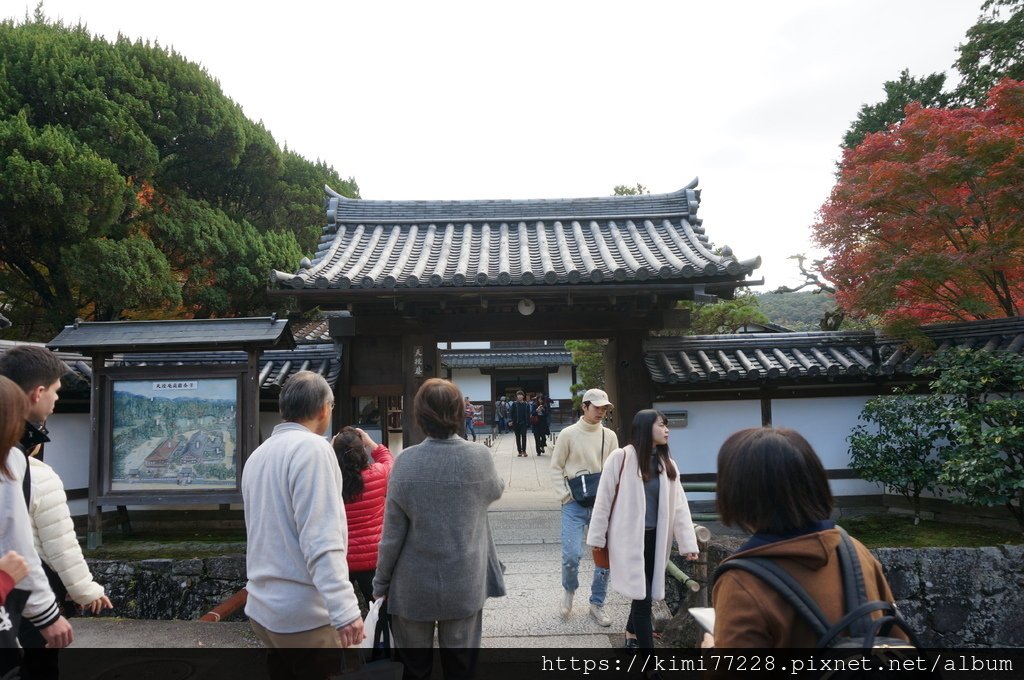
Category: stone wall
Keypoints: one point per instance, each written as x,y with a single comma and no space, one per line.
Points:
951,597
170,589
959,597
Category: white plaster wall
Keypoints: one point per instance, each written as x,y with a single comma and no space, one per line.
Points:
68,453
465,345
854,487
695,447
68,450
825,423
473,384
559,383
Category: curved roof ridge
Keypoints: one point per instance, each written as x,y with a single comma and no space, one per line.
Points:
344,210
767,338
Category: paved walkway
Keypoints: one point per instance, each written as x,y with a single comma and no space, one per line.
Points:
526,525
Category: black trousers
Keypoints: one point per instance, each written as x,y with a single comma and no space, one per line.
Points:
541,440
520,439
639,622
363,581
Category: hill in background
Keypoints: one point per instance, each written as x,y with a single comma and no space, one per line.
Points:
801,311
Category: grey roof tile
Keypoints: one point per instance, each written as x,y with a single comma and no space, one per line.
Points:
432,244
845,355
502,359
128,335
275,365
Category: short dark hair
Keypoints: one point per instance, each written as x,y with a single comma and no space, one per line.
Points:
13,411
771,480
30,366
303,395
438,408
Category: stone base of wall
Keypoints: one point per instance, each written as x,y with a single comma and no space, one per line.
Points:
170,589
951,597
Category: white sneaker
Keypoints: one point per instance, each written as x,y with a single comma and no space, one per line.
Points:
597,611
565,605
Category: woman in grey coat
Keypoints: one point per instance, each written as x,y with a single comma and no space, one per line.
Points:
437,563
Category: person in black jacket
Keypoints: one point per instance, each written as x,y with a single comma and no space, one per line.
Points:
519,420
540,422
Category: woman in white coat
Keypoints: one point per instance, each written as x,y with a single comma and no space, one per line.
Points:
649,509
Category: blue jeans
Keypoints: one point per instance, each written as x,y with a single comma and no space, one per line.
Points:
575,519
470,430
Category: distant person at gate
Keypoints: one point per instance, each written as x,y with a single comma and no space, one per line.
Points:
299,590
540,423
501,414
365,468
581,448
519,420
470,413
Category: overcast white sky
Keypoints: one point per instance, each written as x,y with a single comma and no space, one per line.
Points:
456,100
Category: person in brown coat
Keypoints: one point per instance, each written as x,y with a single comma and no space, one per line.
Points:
771,483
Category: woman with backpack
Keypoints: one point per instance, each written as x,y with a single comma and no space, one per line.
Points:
772,484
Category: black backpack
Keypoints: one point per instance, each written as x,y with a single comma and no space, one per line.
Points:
856,628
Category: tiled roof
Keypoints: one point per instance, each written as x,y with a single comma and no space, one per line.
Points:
125,336
995,334
824,355
504,359
79,368
314,331
433,244
275,365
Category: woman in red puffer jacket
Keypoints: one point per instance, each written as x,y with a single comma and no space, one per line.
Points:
364,488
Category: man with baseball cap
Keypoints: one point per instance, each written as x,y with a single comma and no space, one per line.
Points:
581,448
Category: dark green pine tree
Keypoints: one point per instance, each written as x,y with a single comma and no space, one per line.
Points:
133,187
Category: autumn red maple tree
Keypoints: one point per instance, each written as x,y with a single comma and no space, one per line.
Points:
926,220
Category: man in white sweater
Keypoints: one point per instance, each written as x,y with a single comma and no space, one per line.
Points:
299,591
581,448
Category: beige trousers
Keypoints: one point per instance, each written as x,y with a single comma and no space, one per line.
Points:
324,637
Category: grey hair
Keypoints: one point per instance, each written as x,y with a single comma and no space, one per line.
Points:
303,395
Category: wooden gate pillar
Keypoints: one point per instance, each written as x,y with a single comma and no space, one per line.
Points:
420,360
628,380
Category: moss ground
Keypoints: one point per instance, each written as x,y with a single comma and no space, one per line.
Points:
175,544
897,531
875,531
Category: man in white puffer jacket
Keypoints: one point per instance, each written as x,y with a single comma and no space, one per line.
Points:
53,532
